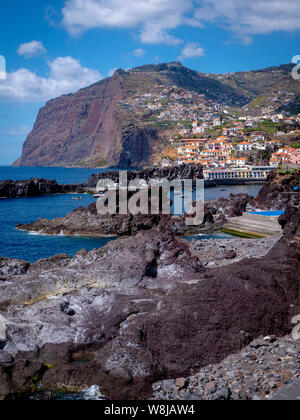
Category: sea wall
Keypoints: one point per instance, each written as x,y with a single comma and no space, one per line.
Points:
241,181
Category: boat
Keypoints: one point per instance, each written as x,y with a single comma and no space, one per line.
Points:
98,195
77,198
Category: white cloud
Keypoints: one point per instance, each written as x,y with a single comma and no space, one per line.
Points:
191,50
139,52
32,49
66,76
247,18
153,18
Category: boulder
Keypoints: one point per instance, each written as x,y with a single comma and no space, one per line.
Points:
12,267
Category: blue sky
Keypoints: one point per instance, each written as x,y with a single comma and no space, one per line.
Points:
56,47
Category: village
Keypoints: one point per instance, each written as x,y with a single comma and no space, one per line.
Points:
228,143
243,148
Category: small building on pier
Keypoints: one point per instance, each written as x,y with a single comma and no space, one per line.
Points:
246,173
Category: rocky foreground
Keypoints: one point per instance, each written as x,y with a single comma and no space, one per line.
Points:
220,252
261,371
141,310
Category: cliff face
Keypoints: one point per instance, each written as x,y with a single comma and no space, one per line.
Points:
84,129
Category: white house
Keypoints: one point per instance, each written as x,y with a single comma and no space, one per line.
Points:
244,147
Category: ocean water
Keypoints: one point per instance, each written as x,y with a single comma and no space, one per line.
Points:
32,247
61,175
202,237
225,191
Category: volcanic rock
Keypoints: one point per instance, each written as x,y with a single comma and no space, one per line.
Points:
10,267
278,193
182,172
145,310
35,187
263,373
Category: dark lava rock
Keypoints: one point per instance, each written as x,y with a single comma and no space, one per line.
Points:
223,395
291,392
230,255
234,206
11,267
134,326
192,172
31,188
259,343
290,221
35,187
87,221
278,192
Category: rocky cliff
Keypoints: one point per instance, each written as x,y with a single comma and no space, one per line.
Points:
116,122
85,129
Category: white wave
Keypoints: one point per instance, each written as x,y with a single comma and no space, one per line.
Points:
93,394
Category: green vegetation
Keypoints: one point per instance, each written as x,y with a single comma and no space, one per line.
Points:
214,132
186,124
260,157
163,124
246,235
267,126
283,171
93,162
293,107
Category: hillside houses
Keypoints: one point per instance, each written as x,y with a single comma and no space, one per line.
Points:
223,152
285,156
210,135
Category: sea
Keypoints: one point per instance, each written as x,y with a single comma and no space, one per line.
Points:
32,247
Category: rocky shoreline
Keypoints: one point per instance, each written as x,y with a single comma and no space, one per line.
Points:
36,187
141,310
151,306
276,194
86,221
